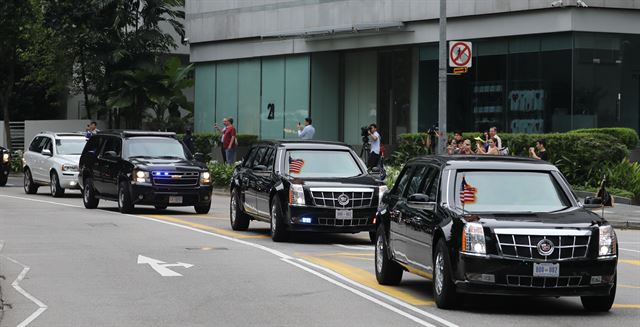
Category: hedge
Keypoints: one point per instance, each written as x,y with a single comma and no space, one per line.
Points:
628,136
580,156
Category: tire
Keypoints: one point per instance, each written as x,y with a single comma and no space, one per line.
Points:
160,206
89,195
373,237
239,220
54,185
600,303
124,199
3,179
444,290
29,186
388,272
278,229
202,209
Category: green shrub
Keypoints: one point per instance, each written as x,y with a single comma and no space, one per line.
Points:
392,175
628,136
220,173
16,161
580,156
205,142
611,190
624,175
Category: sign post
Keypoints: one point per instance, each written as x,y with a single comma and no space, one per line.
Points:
442,81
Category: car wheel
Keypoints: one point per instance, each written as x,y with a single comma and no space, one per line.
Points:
29,186
124,199
160,206
278,231
388,272
54,184
202,209
239,220
444,291
3,179
600,303
89,195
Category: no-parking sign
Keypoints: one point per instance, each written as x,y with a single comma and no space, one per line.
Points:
459,54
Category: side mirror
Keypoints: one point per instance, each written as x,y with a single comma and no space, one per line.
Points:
259,168
198,156
110,155
376,173
46,152
592,202
420,201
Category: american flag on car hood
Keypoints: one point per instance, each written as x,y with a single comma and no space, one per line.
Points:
467,192
295,166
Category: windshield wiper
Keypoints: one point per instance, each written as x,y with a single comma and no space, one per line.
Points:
140,157
170,157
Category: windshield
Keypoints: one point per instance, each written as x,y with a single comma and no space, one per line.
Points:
159,147
330,164
70,146
509,191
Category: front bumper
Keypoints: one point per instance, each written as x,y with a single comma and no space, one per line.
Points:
148,194
69,180
315,219
505,276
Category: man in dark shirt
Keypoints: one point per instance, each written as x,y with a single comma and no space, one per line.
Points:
188,140
542,151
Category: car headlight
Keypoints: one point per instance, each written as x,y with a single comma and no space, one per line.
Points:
473,239
69,167
205,178
381,190
607,241
141,176
5,157
296,195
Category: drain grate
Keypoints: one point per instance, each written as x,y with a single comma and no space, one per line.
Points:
102,225
206,248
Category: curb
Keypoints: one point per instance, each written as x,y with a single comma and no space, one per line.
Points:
625,224
221,191
618,199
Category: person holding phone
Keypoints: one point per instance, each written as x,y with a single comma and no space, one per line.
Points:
307,131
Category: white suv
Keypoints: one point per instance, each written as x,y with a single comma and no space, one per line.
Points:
52,159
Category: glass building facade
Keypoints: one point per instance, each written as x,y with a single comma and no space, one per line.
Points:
523,84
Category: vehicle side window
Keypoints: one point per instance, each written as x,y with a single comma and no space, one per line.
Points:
248,159
269,158
430,186
93,145
416,180
259,155
402,181
112,144
35,144
48,144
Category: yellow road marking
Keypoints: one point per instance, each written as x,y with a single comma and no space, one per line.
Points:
628,286
206,227
632,262
626,306
208,217
344,254
367,279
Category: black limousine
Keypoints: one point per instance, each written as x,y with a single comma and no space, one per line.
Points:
304,186
494,225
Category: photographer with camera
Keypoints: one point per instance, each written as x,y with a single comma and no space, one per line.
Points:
374,154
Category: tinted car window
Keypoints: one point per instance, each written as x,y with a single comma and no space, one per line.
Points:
93,145
269,158
248,161
112,144
36,144
157,147
259,155
416,180
46,144
430,186
402,181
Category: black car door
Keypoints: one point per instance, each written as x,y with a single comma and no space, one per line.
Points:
397,228
108,166
264,180
244,170
421,219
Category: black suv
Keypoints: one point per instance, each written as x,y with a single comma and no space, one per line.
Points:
5,165
151,168
520,231
304,186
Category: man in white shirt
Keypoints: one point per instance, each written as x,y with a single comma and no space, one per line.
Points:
375,138
308,131
493,133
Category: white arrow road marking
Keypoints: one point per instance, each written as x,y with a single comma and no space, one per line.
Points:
16,285
161,267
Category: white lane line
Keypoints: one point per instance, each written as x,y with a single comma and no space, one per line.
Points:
16,285
288,259
630,250
356,247
361,294
380,294
43,201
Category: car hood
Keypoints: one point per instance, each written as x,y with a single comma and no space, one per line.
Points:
73,159
167,164
570,218
357,181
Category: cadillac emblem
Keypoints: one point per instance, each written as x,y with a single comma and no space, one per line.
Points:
343,199
545,247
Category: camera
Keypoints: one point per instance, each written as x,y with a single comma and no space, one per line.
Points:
364,132
433,130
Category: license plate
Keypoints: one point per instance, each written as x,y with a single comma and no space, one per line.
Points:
175,199
546,269
344,214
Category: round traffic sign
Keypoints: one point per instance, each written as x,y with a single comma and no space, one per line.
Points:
460,54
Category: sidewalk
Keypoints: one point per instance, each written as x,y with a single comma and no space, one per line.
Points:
622,216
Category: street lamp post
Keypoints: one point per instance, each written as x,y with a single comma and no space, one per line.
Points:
442,81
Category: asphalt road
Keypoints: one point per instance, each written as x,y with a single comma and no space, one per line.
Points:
63,265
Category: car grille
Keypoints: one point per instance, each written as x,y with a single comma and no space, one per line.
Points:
328,198
571,244
543,282
343,222
175,178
